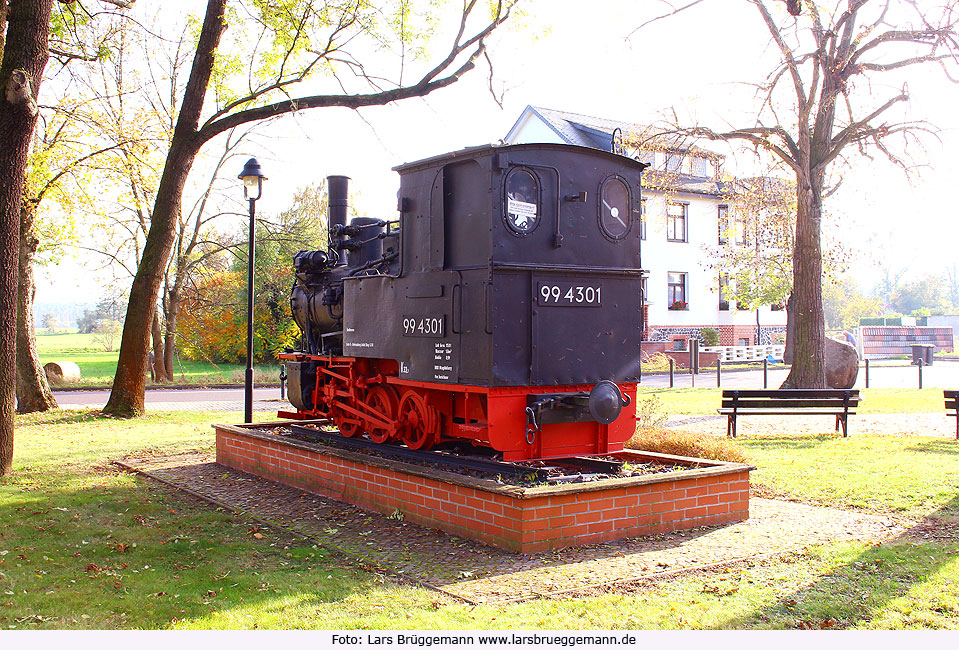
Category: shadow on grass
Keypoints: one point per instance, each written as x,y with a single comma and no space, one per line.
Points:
854,593
786,443
950,447
71,416
119,553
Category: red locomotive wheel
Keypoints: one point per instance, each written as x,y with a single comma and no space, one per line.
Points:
384,402
419,426
347,423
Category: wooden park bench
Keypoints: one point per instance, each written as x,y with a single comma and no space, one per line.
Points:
841,403
952,400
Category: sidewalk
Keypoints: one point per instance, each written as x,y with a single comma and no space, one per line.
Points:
936,425
942,374
185,399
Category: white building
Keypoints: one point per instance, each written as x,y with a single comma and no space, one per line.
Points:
685,214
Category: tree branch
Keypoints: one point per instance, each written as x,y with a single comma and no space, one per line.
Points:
428,83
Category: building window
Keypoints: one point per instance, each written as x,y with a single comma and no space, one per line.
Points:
643,289
676,221
674,163
722,216
642,218
676,298
697,167
741,238
723,292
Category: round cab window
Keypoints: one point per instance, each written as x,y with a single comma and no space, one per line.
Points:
614,214
522,202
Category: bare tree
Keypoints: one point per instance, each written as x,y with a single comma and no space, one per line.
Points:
304,37
821,104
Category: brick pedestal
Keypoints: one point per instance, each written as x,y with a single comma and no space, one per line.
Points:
524,520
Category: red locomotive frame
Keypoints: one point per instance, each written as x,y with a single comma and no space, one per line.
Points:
361,395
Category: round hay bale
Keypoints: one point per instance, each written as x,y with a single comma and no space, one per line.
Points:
60,372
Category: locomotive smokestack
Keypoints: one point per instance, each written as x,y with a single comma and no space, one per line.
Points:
338,200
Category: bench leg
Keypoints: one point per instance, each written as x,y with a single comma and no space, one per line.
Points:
730,426
845,423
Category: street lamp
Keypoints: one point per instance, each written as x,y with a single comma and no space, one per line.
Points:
252,177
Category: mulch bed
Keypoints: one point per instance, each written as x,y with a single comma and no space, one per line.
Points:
477,573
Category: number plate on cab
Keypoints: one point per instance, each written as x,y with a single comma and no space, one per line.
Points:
428,326
569,294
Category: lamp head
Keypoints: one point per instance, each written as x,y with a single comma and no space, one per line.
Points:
252,177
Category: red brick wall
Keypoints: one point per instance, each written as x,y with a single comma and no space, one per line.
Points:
525,521
730,334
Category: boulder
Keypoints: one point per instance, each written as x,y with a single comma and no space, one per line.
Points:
842,364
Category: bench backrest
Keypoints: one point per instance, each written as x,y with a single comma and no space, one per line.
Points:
951,397
791,398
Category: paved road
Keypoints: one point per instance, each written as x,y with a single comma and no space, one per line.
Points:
170,399
942,374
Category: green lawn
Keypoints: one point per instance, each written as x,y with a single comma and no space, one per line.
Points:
905,474
98,366
83,546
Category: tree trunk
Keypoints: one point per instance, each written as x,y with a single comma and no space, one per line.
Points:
159,368
24,58
173,308
809,341
33,391
790,331
126,397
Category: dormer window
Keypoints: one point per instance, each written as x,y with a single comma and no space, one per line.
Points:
698,167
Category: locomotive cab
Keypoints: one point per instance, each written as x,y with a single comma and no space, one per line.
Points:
504,306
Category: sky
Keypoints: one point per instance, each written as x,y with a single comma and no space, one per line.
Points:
586,58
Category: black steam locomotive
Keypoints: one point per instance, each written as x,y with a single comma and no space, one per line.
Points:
502,307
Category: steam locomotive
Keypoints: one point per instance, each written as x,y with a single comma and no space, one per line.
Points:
503,307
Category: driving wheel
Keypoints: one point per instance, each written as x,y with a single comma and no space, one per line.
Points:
383,403
418,423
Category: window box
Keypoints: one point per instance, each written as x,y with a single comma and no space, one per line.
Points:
678,305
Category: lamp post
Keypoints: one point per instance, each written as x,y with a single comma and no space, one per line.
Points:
252,177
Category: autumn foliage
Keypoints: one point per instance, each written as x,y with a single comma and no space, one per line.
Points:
213,321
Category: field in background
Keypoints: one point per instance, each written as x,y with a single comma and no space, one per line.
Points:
98,365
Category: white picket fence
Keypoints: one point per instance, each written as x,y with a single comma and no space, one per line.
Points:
733,353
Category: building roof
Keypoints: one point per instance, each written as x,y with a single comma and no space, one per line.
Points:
597,133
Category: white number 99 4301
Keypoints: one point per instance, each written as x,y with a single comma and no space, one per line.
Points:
568,294
424,326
